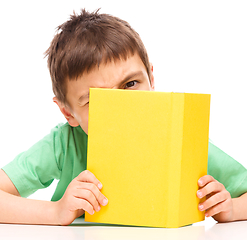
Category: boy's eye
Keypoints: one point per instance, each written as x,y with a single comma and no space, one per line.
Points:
130,84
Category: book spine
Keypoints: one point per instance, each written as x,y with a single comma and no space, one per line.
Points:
195,155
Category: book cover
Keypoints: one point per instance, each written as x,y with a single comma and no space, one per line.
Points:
148,149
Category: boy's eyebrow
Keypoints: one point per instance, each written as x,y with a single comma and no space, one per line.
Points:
131,75
84,96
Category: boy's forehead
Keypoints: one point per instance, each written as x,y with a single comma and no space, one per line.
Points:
120,66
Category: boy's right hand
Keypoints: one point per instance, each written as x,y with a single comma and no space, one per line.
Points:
82,194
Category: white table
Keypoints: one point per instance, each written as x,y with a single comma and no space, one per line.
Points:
208,229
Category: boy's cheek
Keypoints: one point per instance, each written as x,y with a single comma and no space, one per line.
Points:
82,119
84,126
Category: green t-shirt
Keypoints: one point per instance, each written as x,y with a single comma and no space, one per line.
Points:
62,155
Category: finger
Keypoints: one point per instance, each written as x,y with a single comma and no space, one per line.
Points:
211,187
205,180
87,176
84,205
100,198
214,200
89,197
221,207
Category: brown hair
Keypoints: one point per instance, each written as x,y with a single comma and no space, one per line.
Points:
87,40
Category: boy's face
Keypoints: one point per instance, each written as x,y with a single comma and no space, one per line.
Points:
130,74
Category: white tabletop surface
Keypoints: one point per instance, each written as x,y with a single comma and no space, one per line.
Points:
207,229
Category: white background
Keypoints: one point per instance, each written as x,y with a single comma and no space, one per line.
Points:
195,46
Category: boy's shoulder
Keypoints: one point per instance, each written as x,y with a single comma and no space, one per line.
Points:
68,138
63,148
63,139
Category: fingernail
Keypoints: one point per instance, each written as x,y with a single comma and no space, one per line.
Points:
200,182
99,208
100,186
92,213
199,194
105,201
201,207
206,215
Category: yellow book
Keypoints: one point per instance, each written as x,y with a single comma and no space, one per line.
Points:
148,149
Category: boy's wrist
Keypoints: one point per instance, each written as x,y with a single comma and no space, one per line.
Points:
61,215
48,214
237,209
57,213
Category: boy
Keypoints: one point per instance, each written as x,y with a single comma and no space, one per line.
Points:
97,50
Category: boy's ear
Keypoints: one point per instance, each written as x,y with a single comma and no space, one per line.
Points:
152,77
66,112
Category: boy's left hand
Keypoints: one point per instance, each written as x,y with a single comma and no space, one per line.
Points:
218,203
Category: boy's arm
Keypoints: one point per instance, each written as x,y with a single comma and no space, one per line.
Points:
218,203
82,194
14,209
240,208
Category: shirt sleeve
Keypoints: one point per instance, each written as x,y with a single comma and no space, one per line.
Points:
227,171
37,167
